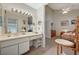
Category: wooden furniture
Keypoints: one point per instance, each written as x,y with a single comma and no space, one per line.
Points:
61,43
61,33
74,37
53,33
68,36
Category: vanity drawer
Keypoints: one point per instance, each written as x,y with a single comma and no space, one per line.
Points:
12,42
10,50
36,37
39,36
8,43
23,39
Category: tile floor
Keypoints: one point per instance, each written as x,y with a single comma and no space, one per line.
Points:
49,50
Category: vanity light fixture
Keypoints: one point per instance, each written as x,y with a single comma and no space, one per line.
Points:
16,10
26,13
20,11
12,9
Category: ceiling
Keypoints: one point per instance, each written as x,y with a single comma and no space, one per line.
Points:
59,6
35,5
55,6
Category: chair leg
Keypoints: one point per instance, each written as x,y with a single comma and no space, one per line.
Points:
75,52
61,50
76,49
57,49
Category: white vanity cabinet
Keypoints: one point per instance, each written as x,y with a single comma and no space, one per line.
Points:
14,46
23,47
18,45
36,41
10,50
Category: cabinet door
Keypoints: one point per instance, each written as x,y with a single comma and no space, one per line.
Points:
23,47
11,50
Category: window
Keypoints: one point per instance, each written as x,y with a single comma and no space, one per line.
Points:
12,25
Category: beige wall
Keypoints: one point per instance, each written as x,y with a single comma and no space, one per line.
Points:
56,17
41,17
60,17
49,18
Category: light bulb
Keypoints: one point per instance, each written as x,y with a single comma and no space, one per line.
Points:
64,12
14,9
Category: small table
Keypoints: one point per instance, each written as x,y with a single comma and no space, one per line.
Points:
63,42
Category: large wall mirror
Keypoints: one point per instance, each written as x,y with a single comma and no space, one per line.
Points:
0,23
12,25
30,23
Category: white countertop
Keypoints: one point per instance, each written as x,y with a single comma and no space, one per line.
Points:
27,34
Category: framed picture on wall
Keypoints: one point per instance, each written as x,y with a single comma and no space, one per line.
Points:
65,23
73,21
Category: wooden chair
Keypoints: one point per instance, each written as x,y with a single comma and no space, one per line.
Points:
74,45
65,43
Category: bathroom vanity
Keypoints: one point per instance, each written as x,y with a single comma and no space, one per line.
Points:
17,44
24,25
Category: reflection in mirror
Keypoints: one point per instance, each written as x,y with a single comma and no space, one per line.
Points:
0,23
24,26
29,20
12,25
30,23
